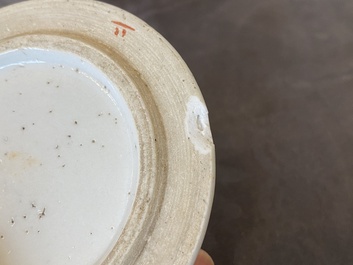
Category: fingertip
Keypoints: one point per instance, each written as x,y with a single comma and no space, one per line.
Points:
204,259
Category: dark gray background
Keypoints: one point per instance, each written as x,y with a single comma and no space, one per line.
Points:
278,80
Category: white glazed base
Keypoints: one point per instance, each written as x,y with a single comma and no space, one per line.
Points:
68,160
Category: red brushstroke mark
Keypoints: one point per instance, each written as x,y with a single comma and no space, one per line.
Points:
116,31
124,26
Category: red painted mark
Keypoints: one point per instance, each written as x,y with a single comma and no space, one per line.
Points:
124,26
116,31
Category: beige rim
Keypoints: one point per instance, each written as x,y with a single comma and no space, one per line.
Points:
175,192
